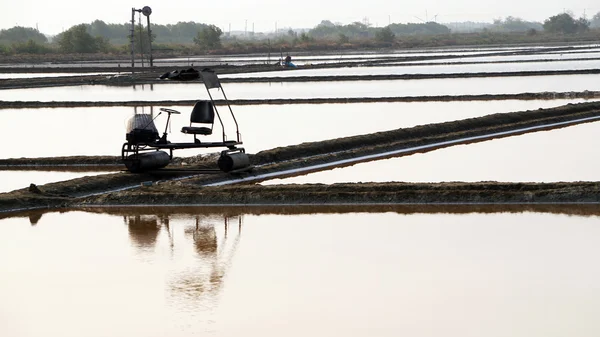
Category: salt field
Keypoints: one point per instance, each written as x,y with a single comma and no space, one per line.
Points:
248,269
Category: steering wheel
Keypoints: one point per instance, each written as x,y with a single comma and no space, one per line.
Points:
170,111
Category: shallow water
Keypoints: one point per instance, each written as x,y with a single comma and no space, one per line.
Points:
568,154
305,58
350,274
429,69
308,58
384,88
537,56
101,131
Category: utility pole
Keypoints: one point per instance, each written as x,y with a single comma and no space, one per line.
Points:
141,39
132,38
147,11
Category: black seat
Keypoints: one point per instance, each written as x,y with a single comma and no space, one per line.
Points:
203,113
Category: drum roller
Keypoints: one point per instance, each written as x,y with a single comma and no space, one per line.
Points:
147,161
233,160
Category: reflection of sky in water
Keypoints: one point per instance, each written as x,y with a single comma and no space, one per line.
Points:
350,274
430,69
384,88
101,131
541,56
568,154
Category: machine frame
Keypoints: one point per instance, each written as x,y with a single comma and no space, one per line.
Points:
138,152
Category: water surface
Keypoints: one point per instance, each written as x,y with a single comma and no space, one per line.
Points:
429,69
383,88
101,131
567,154
351,274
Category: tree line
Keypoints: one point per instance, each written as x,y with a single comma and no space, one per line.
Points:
99,36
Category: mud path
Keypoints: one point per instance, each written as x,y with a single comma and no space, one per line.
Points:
284,101
90,163
386,77
152,78
183,187
359,193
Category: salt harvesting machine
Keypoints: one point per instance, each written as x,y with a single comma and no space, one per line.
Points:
145,150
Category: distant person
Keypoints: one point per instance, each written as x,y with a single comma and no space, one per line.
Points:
288,62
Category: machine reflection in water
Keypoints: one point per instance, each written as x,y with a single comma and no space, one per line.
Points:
201,280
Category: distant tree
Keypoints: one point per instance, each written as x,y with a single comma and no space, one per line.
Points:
304,37
325,29
385,35
181,32
30,47
429,28
595,21
99,28
326,23
512,24
187,29
342,38
583,24
531,32
565,23
209,37
141,39
77,40
22,34
357,29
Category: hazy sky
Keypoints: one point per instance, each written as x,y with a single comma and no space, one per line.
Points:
52,17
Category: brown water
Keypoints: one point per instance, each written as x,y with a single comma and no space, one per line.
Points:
352,274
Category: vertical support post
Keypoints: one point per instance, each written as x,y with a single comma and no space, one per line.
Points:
132,37
149,39
141,37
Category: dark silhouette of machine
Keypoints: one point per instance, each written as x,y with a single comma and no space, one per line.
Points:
145,150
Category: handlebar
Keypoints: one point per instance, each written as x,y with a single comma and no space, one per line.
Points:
170,111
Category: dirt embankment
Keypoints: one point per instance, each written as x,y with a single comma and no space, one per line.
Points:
152,78
281,101
359,193
187,189
91,163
